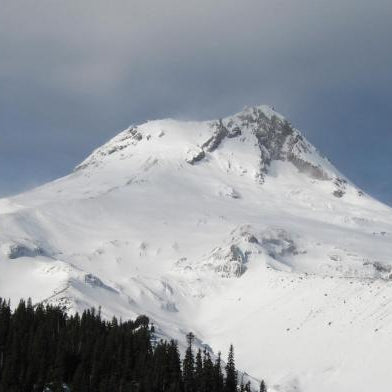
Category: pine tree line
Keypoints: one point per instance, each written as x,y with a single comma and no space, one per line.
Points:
44,349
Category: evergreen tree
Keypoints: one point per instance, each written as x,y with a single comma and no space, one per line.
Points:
231,373
199,373
208,373
263,387
174,368
189,365
247,387
218,375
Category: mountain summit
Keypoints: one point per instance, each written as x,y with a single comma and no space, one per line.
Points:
237,229
252,139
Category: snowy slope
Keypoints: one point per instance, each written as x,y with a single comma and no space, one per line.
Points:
237,229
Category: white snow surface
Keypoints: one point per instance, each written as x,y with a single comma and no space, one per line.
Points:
252,240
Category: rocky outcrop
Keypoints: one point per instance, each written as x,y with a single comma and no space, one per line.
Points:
380,270
94,281
129,137
275,137
17,250
229,262
311,170
231,259
340,190
216,139
278,140
195,156
278,244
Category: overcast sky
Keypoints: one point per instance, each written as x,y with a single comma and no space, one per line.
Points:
73,73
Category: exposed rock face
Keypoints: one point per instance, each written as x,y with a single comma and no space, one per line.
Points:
275,137
340,187
278,140
381,270
271,134
306,167
195,156
94,281
216,139
230,260
278,244
131,136
17,250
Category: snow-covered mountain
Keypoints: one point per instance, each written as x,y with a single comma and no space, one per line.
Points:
237,229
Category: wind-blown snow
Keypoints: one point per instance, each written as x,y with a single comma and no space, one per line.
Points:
238,230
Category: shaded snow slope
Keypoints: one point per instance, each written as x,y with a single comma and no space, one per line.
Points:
237,229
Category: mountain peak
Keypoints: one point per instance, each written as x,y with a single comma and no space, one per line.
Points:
246,142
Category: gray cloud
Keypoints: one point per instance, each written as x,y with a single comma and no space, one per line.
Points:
72,73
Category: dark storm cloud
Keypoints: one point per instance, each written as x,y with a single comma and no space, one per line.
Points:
73,72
